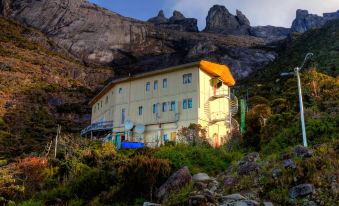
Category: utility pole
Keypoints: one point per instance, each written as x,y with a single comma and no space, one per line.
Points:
301,104
56,141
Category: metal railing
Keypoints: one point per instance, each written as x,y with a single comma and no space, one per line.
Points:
219,93
218,117
99,126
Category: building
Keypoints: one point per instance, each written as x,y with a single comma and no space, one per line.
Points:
153,106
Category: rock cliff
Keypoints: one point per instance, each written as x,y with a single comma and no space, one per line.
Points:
305,21
177,22
96,35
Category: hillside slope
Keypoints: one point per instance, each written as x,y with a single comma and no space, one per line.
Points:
39,88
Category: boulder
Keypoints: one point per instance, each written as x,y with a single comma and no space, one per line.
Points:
197,200
150,204
302,151
247,168
251,157
301,190
289,163
233,197
229,181
174,183
201,177
267,204
276,172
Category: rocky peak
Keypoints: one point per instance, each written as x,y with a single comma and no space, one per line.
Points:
242,19
220,20
305,21
160,19
177,22
177,16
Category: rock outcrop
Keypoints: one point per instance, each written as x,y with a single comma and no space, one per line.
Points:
220,20
270,33
177,22
305,21
98,36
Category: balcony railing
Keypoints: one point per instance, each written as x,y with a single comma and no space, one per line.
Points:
99,126
219,93
218,117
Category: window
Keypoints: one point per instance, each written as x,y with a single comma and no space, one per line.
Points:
187,78
164,107
140,110
165,137
184,104
155,84
172,107
123,113
187,103
101,104
98,106
120,90
155,108
106,101
148,86
164,83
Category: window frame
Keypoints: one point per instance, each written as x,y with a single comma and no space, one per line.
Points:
172,106
164,107
164,83
189,103
120,90
123,115
184,104
155,85
140,110
148,86
187,78
155,108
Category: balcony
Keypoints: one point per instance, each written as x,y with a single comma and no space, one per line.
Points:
219,93
218,117
97,127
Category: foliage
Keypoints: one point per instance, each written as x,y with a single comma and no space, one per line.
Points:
193,134
140,175
32,172
69,108
202,158
180,197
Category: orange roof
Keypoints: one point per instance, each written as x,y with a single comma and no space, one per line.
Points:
218,70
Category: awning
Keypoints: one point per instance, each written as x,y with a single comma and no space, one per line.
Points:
218,70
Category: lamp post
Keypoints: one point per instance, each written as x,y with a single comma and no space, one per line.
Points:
301,105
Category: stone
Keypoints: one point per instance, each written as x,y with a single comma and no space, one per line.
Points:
247,168
289,163
150,204
302,151
197,200
301,190
174,183
251,157
233,197
229,181
177,16
265,203
201,177
276,172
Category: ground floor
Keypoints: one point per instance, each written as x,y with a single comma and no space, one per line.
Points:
158,134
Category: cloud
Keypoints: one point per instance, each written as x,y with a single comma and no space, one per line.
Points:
259,12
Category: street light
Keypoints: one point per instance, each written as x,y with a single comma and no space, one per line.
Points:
296,72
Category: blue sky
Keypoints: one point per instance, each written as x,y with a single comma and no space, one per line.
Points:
259,12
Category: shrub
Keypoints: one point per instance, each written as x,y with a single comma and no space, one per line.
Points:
91,183
193,134
69,108
32,170
200,158
140,175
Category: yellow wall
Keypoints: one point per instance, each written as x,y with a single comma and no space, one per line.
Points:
134,94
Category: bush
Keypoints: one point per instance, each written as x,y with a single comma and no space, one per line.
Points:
201,158
69,108
91,183
140,175
193,134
